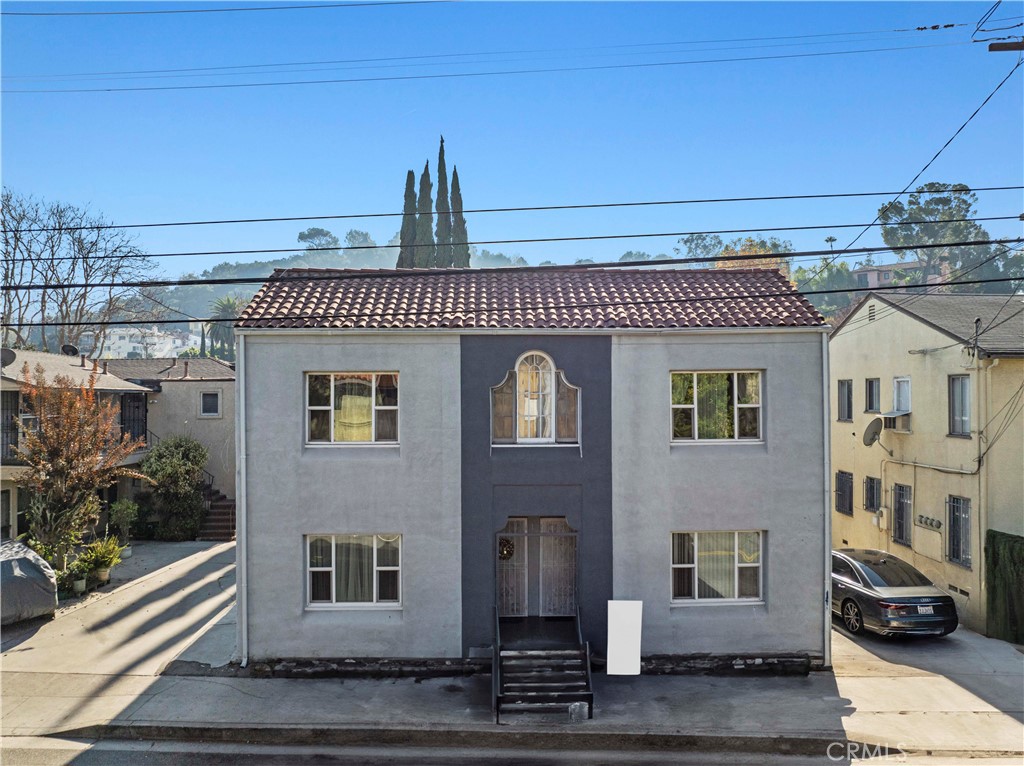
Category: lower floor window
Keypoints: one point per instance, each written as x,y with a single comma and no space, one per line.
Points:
354,569
872,493
902,509
844,492
959,530
716,566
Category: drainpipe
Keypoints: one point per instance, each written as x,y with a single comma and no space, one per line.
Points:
826,443
241,520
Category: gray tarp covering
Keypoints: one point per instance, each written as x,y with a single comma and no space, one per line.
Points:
28,586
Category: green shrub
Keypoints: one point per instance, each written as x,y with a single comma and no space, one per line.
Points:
103,553
175,466
121,515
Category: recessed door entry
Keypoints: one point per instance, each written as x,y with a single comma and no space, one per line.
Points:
536,568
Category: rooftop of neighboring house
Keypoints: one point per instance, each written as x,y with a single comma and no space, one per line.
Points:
954,314
159,370
77,368
546,298
895,266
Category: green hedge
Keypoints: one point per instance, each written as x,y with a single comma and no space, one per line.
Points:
1004,575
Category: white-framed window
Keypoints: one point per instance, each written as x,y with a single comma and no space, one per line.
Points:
959,405
535,404
717,566
354,569
716,406
844,492
209,404
901,394
872,395
845,400
351,407
902,513
958,530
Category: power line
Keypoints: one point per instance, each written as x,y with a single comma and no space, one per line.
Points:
359,274
222,10
520,209
463,310
388,62
927,165
495,73
533,240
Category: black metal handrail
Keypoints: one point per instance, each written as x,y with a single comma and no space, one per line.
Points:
579,628
496,665
590,684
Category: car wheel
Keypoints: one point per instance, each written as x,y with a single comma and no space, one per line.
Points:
853,620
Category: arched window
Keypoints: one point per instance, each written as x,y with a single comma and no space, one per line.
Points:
535,404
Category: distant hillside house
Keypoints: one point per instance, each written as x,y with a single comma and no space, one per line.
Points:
420,452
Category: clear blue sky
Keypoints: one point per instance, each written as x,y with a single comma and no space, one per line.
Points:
841,123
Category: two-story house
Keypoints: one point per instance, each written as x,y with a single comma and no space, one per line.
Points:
194,397
130,398
420,453
943,485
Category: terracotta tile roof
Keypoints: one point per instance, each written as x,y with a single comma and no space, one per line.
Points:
528,298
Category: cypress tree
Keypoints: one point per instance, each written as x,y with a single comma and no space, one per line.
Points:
407,239
443,258
424,257
460,237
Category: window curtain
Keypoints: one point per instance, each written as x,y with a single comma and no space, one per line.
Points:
716,556
715,406
354,568
353,408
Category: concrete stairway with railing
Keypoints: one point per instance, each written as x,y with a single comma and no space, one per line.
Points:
219,524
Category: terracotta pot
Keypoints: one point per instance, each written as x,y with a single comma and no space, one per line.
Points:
103,575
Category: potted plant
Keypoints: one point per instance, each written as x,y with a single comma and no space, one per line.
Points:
78,572
121,515
104,554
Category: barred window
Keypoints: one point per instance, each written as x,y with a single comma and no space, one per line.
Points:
844,492
958,530
902,510
872,493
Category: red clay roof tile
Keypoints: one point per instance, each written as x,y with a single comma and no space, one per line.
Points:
528,298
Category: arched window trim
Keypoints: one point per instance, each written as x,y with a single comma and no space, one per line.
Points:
558,378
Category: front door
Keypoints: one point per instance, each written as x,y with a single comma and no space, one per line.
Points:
536,568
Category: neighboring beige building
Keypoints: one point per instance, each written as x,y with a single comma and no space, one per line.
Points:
191,397
130,398
949,463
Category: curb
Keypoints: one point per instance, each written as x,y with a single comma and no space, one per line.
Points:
557,737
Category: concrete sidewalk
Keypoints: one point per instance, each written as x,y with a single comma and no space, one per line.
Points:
958,696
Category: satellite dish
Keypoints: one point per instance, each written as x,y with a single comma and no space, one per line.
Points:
69,350
872,432
7,356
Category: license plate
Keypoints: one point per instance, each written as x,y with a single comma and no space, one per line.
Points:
926,610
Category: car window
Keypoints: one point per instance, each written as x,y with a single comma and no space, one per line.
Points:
842,568
888,572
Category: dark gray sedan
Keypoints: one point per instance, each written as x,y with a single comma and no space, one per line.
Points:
874,590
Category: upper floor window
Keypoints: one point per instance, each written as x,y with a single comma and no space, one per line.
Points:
846,400
716,406
535,404
959,405
352,407
209,404
901,394
872,395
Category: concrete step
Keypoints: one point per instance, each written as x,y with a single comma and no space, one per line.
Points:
534,698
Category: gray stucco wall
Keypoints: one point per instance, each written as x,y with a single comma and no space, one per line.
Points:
294,490
776,486
536,481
